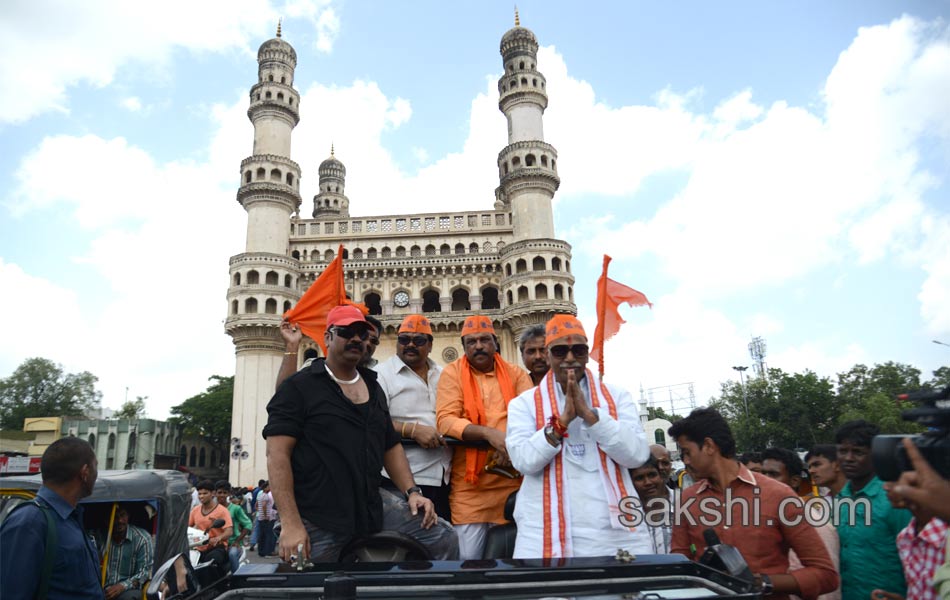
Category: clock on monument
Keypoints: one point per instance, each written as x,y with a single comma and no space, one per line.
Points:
401,299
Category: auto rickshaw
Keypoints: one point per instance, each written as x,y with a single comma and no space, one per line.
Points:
157,501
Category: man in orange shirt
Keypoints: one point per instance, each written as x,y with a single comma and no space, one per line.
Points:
202,516
761,517
472,405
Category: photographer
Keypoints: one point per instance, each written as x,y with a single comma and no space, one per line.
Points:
923,543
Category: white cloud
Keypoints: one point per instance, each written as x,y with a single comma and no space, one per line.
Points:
328,28
420,154
934,295
72,43
132,104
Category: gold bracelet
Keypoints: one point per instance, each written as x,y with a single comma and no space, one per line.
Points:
413,432
404,428
290,354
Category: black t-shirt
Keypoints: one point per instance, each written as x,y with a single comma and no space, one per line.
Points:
339,453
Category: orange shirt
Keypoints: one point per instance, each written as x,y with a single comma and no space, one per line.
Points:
482,502
201,521
763,540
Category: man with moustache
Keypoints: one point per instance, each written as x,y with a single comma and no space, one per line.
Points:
131,554
664,463
575,438
329,434
472,405
70,567
410,380
869,556
534,355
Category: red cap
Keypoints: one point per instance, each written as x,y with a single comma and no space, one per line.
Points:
341,316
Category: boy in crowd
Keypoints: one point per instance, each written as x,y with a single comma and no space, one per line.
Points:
239,520
202,516
824,471
784,465
867,525
651,487
709,451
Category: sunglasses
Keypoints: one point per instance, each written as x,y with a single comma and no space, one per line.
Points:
578,350
417,340
349,332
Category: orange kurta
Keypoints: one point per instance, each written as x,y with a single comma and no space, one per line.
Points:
482,502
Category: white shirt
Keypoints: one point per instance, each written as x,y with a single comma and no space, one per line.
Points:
622,439
412,399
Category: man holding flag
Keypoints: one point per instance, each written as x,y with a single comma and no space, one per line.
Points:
574,439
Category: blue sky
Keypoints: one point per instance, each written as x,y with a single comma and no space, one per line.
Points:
776,169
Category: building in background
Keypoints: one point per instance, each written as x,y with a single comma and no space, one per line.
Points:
503,262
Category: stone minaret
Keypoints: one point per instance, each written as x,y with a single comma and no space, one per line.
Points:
264,277
527,168
331,202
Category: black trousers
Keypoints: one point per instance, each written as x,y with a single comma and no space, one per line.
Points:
438,494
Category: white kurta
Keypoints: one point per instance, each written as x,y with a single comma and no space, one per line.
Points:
622,439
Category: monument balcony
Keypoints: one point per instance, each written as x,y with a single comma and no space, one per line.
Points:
402,226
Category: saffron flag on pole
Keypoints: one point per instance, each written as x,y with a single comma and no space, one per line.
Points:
324,294
610,295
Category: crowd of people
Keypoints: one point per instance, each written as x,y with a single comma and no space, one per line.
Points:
432,453
436,452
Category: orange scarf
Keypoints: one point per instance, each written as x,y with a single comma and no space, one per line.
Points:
475,458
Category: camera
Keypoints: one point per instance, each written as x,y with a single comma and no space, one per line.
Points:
888,453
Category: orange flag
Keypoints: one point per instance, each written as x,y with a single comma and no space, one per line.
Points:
327,292
610,295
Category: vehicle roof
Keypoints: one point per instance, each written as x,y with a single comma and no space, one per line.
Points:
118,485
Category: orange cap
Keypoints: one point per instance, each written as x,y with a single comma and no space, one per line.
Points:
416,324
565,329
477,324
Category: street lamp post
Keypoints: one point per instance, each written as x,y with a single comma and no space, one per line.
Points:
941,343
745,397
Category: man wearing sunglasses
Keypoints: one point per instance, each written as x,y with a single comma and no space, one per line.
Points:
410,380
375,330
472,405
329,434
575,439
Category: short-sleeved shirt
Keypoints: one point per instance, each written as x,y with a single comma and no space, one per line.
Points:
484,501
869,558
338,457
922,551
239,520
203,522
763,544
411,399
75,572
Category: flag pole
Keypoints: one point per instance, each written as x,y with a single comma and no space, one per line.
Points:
601,315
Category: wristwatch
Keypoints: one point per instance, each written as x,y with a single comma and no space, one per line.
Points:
414,490
765,584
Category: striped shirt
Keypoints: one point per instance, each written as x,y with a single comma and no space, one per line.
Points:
130,561
265,507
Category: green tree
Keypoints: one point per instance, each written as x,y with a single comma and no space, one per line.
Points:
860,383
657,412
883,411
40,388
941,379
790,410
132,409
208,414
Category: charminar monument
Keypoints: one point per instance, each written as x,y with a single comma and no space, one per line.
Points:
503,261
